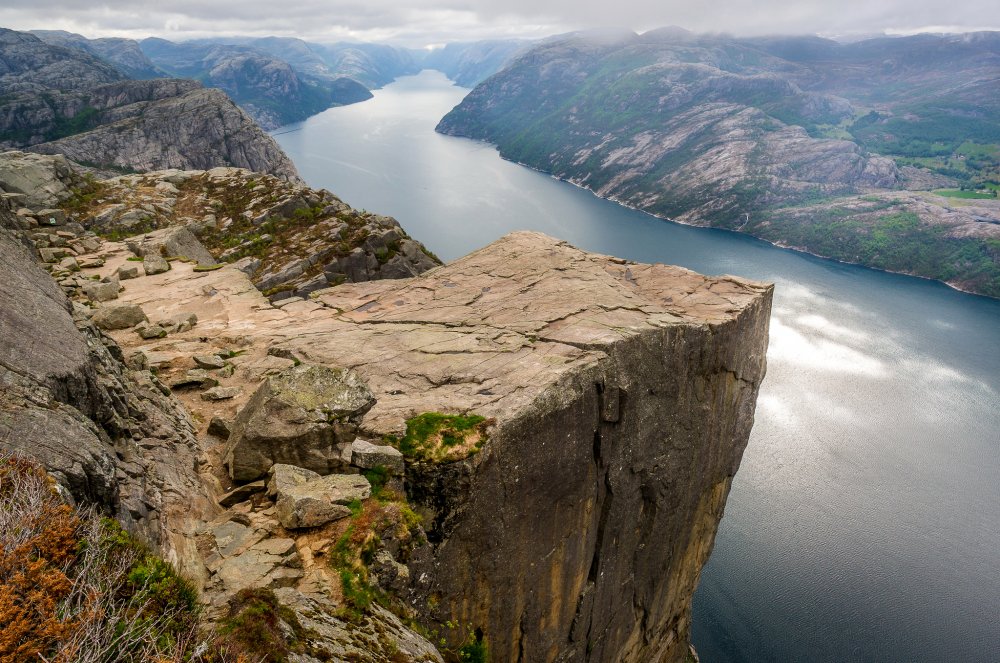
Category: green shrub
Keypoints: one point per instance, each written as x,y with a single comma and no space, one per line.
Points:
252,628
475,650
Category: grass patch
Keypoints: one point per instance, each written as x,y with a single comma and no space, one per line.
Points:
208,268
84,196
285,287
960,193
894,239
118,234
437,437
356,549
378,477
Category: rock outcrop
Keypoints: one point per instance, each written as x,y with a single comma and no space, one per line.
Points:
292,240
108,434
199,128
591,413
42,182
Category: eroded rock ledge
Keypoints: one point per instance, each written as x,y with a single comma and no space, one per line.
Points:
619,398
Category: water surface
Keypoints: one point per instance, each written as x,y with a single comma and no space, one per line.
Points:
864,524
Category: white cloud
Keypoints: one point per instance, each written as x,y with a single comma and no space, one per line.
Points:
422,22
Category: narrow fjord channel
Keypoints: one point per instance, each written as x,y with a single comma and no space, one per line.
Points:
864,523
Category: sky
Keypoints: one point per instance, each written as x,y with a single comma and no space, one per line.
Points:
422,23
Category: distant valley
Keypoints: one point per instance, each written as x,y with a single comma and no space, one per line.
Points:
885,152
280,80
119,105
294,433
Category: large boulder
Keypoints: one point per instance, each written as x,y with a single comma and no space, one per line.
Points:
306,499
44,180
368,456
122,316
305,416
176,242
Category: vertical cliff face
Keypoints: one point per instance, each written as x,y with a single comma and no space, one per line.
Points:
579,532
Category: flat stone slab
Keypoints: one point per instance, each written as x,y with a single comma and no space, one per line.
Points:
489,333
209,362
196,377
220,393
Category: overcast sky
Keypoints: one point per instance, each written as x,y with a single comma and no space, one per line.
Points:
419,23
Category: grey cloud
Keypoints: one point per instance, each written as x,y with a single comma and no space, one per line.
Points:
420,22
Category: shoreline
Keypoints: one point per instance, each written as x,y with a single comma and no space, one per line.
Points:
779,245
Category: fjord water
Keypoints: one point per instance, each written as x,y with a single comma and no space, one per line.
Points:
864,523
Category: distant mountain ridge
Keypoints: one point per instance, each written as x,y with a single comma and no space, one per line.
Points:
123,54
267,87
802,141
64,100
469,63
281,80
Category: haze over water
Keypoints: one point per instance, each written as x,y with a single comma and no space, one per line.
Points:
864,523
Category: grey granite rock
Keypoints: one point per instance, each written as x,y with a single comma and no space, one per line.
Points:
302,416
305,499
119,316
154,263
175,242
368,456
102,292
220,393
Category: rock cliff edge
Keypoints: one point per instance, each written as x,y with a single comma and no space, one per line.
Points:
558,429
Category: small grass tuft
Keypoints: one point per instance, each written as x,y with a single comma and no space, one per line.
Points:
437,437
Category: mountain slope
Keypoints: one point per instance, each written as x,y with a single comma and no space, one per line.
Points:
27,64
60,100
265,86
123,54
470,63
711,130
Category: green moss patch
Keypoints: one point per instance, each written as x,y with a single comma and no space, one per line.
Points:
208,268
437,437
